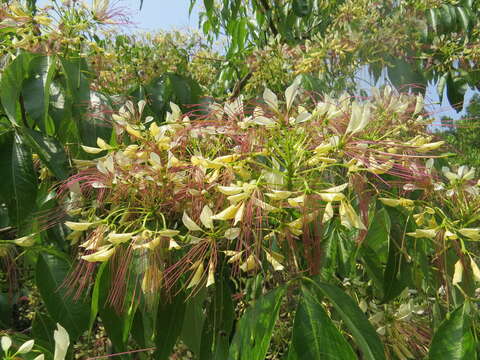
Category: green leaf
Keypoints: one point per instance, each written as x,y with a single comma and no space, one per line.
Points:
113,320
456,89
218,324
11,84
72,315
50,151
362,331
255,328
43,327
36,89
397,270
169,323
302,8
19,187
78,76
314,334
193,323
94,304
454,339
463,19
170,88
433,19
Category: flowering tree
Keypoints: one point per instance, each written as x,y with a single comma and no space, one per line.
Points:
276,224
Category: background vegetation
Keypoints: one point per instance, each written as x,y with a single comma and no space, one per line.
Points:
167,196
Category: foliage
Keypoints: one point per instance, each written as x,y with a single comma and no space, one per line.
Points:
302,223
328,41
462,134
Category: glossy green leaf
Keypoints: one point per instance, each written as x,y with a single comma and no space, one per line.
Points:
170,88
456,89
363,333
454,339
50,151
433,19
94,304
193,322
254,329
19,187
73,315
314,335
302,8
463,18
397,270
218,324
169,324
11,84
36,89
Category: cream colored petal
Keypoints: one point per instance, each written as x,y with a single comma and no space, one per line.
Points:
197,277
206,217
189,223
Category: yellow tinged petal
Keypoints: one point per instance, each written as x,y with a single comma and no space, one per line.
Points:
329,197
173,245
237,198
211,274
227,158
249,264
336,189
189,223
78,226
102,144
25,241
475,269
197,277
119,238
471,233
230,190
349,217
232,233
235,256
239,214
227,214
133,132
328,214
430,146
206,217
423,233
99,256
458,273
168,233
264,205
390,202
151,245
279,194
296,202
91,150
276,265
154,129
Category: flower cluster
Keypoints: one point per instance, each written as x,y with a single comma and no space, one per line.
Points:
252,187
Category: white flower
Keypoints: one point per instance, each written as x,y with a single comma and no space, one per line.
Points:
62,341
26,347
6,343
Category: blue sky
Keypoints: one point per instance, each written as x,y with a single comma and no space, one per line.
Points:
155,14
162,14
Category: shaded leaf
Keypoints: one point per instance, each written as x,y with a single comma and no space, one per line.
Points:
50,275
169,323
362,331
254,329
314,334
218,324
454,339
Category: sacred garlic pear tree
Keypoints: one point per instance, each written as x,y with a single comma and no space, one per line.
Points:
278,224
